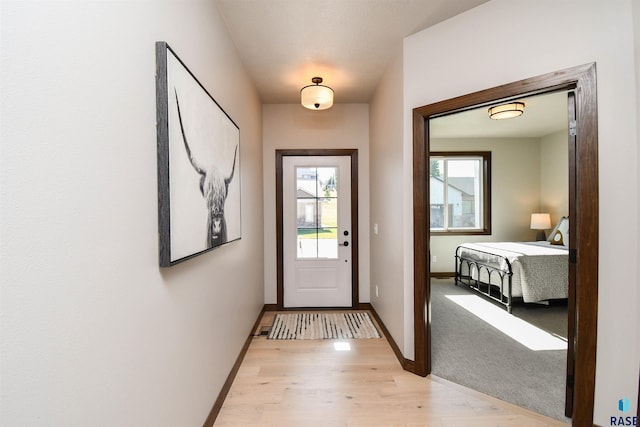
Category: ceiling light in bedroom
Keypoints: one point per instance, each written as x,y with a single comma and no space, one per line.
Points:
540,222
316,96
506,111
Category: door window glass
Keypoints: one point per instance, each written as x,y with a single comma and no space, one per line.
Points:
317,212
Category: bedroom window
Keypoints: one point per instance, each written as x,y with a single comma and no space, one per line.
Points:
460,192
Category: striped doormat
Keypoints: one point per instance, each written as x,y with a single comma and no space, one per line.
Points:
319,326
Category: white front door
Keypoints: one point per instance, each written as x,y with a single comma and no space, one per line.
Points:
316,204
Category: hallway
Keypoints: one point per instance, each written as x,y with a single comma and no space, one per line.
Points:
316,383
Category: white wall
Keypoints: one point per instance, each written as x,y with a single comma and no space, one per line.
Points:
601,31
515,193
387,166
636,33
291,126
93,332
554,176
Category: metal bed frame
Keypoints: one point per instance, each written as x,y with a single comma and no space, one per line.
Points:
499,293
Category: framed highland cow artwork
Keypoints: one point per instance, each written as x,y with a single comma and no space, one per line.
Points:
198,164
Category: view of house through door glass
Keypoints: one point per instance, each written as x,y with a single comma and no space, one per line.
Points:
316,231
317,222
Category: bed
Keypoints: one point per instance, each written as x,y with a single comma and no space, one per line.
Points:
533,272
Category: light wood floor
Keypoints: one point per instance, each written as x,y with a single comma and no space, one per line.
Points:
308,383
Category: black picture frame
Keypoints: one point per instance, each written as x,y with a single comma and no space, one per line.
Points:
199,191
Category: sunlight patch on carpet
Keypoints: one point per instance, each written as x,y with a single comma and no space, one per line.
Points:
525,333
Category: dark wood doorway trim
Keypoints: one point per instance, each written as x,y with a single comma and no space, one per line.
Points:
353,153
582,80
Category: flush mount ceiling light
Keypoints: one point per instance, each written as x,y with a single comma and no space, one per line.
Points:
506,111
316,96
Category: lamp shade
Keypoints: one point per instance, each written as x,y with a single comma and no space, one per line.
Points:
506,111
316,96
540,221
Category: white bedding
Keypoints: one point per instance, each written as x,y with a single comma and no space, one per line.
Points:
540,270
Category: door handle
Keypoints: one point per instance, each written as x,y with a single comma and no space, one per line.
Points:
345,244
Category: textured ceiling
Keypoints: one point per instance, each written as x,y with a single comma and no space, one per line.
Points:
349,43
543,115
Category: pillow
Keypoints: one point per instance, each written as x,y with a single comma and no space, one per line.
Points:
563,227
556,238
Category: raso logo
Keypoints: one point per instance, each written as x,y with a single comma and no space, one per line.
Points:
624,406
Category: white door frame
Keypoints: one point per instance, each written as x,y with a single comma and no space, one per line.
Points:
353,154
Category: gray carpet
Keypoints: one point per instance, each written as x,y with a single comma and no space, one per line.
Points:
471,352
